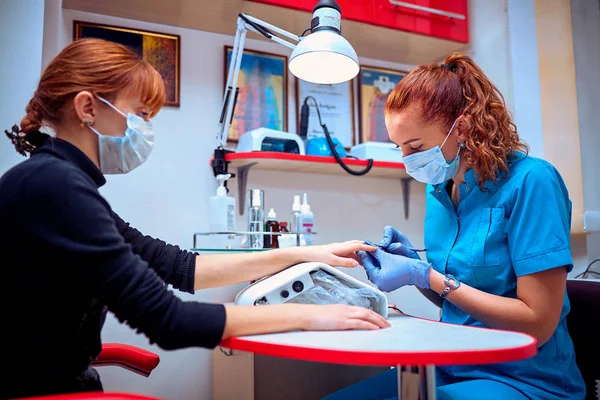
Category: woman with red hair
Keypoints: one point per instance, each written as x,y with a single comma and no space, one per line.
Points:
497,234
67,258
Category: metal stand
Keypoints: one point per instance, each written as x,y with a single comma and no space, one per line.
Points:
416,382
406,195
242,177
245,23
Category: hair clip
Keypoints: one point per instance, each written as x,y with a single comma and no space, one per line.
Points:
447,67
18,139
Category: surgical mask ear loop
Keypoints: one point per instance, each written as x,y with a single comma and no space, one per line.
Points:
449,132
121,112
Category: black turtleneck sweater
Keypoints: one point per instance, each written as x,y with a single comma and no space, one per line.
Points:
66,258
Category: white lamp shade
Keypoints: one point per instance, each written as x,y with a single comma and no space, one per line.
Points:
324,57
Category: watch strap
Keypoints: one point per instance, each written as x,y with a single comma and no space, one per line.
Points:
451,283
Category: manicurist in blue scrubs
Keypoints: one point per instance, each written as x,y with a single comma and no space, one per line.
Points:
496,231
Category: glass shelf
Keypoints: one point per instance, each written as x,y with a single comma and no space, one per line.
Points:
244,233
240,250
241,233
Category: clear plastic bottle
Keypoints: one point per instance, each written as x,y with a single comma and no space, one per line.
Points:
256,217
296,218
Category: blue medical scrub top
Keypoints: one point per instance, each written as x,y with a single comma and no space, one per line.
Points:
518,225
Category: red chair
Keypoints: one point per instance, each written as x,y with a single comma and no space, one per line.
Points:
132,358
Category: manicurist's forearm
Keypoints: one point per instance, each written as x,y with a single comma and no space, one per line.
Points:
496,311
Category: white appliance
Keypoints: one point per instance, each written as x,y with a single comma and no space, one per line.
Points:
265,139
313,283
377,151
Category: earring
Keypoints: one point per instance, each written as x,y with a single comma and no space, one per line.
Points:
85,122
462,145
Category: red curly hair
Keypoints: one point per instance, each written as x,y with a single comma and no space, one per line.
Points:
459,87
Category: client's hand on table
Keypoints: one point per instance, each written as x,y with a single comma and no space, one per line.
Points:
253,320
334,254
340,317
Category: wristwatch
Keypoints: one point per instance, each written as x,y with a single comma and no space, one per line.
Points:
451,284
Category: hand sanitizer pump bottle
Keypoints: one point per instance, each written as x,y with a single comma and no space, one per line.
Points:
222,215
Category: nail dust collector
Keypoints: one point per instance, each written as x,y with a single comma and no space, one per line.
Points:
313,283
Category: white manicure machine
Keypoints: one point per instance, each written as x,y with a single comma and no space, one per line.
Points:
313,283
264,139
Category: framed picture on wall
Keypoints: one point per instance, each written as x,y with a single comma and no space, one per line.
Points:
336,104
374,87
159,49
262,100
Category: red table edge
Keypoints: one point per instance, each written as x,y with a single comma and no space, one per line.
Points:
308,158
384,358
348,357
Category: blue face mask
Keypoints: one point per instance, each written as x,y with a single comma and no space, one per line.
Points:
430,166
122,154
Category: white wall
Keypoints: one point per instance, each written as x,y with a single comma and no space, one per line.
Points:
506,49
585,16
168,196
21,25
523,57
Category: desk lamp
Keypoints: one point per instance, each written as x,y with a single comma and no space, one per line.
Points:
323,56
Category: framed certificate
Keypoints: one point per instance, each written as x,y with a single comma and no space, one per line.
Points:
336,104
375,85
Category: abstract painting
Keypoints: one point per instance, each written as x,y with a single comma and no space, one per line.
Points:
262,98
162,51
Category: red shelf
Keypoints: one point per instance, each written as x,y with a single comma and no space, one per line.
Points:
275,161
242,163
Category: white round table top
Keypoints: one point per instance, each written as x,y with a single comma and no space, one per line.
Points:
409,341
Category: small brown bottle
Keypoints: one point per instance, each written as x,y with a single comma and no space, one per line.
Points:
271,241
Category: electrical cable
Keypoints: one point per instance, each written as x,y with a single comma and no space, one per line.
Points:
587,270
332,146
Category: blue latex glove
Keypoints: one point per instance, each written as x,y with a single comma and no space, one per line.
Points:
391,271
396,242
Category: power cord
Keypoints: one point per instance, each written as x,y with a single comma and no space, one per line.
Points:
332,146
393,307
587,270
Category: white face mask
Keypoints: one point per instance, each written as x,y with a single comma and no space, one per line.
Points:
430,166
122,154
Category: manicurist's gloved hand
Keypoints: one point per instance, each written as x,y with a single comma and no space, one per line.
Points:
391,271
396,242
